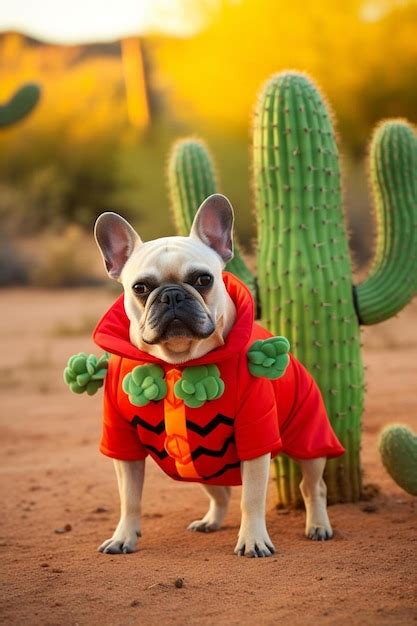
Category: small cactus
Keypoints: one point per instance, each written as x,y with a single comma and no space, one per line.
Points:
20,105
398,449
144,384
85,373
269,358
198,385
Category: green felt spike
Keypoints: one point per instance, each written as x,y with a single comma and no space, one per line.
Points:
144,384
198,385
267,359
86,373
398,449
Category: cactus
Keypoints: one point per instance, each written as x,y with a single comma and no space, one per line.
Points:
304,270
191,178
20,105
393,278
398,449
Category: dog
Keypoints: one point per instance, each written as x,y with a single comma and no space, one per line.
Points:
180,311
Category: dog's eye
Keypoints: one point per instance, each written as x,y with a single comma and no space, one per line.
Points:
204,280
140,289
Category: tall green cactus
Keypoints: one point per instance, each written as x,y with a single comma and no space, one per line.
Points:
20,105
191,178
304,270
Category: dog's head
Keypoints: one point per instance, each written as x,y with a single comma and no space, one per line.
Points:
174,293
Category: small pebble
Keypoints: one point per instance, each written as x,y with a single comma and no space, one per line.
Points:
64,529
101,509
135,603
44,564
179,583
56,570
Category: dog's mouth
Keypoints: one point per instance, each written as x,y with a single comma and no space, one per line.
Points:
178,329
174,315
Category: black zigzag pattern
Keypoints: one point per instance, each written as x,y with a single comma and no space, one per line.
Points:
158,429
216,453
161,454
208,428
222,470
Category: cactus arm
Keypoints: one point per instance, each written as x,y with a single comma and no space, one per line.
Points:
20,105
393,278
398,449
191,178
304,269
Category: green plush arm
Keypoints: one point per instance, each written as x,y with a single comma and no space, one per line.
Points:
269,358
198,385
86,373
144,384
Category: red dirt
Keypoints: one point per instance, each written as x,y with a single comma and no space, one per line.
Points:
53,475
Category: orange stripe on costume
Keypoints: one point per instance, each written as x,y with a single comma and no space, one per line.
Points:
176,443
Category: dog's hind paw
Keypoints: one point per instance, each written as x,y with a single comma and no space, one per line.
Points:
319,533
203,526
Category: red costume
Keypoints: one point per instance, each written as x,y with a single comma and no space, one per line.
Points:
252,417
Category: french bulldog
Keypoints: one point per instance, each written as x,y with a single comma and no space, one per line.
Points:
179,310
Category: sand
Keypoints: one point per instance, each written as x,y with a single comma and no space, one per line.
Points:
53,478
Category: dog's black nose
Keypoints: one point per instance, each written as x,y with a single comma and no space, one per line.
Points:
172,296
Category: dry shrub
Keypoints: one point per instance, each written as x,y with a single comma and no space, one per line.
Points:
68,259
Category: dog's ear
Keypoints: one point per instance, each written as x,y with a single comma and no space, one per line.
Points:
116,239
213,225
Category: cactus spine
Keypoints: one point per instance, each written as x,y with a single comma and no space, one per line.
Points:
191,179
304,269
20,105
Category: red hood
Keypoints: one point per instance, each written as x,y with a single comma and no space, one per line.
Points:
112,331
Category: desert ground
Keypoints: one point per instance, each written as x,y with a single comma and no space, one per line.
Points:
54,479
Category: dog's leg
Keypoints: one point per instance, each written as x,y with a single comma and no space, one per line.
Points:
314,491
253,537
219,502
130,476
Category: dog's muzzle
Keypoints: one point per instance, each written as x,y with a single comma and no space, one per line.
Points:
175,312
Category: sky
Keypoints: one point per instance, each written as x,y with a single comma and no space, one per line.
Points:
78,21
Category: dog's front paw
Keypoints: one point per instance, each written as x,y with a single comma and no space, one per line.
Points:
254,541
124,539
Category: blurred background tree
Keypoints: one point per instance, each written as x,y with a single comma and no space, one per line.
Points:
79,152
